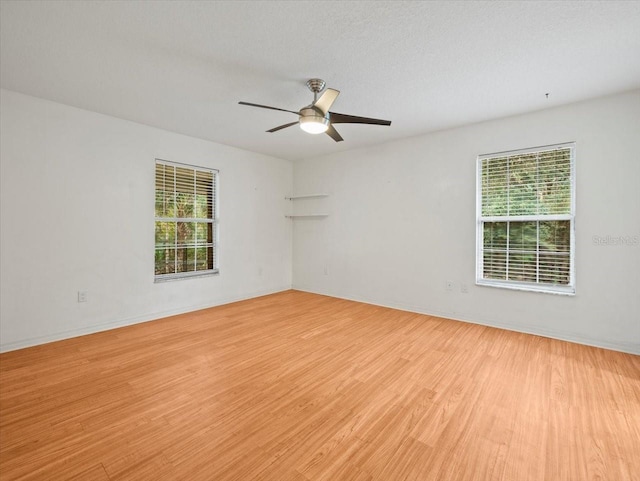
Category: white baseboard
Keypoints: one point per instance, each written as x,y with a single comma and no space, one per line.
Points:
58,336
631,348
627,347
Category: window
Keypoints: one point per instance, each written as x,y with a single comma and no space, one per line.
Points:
185,221
525,213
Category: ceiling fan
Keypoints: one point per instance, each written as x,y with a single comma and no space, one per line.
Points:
316,118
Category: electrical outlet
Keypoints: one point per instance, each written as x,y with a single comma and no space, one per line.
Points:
449,285
82,296
326,271
464,288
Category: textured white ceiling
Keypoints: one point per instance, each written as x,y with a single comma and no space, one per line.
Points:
183,66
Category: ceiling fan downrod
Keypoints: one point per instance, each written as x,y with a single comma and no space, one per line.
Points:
316,85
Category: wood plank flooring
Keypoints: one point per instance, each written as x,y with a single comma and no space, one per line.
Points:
301,387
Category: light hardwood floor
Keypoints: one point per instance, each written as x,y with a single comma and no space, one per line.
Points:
298,387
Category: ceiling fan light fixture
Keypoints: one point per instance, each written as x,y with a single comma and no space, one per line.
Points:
313,126
312,122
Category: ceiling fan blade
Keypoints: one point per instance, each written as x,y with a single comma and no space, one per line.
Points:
275,129
326,100
333,133
267,107
337,118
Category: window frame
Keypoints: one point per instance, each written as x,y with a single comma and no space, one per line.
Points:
562,289
214,221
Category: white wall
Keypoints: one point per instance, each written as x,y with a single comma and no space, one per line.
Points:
402,222
77,214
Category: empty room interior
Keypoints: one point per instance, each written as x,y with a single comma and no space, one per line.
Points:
320,241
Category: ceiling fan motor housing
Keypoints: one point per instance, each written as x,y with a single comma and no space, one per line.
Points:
313,121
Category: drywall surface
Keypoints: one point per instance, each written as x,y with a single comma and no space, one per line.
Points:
77,210
402,223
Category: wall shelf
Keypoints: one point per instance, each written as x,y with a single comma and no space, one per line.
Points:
308,196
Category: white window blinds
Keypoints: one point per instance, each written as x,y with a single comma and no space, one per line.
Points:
185,220
526,219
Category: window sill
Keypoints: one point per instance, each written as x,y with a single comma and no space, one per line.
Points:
182,276
523,286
